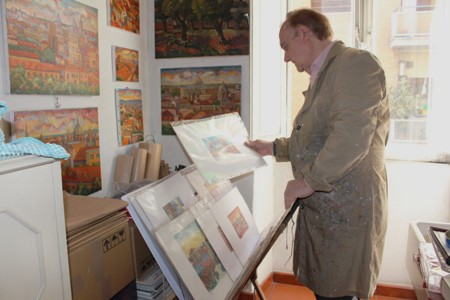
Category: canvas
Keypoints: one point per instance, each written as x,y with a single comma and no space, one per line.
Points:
125,64
124,15
130,123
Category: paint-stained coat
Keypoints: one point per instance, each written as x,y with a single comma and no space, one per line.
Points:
337,145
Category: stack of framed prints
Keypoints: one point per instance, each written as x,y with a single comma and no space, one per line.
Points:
200,233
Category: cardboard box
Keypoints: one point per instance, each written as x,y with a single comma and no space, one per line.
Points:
142,256
102,265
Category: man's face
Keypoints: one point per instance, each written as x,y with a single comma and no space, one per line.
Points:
292,41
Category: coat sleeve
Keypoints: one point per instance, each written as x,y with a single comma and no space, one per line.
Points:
282,149
357,90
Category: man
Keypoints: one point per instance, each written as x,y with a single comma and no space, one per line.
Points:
336,150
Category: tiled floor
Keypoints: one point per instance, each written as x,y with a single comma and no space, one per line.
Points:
280,291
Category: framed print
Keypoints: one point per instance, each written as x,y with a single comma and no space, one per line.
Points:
126,64
235,219
201,28
165,200
52,47
196,93
220,243
194,258
130,123
77,131
124,15
216,146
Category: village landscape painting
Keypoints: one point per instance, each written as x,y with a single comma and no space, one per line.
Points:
126,62
124,14
77,131
196,93
52,47
190,28
130,123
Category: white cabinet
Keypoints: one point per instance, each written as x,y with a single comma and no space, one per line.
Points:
33,247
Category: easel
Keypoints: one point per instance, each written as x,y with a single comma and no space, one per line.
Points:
249,272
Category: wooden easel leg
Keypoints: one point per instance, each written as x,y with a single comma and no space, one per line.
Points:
257,287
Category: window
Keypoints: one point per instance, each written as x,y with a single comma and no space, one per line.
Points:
409,38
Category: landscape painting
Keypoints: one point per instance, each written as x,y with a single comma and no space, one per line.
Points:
52,47
130,123
126,62
124,14
196,93
77,131
190,28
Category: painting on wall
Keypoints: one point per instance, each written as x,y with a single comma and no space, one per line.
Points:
130,123
126,64
77,131
52,47
124,14
192,28
196,93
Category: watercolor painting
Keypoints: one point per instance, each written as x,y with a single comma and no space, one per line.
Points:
124,14
52,47
197,93
201,255
126,64
174,208
220,147
190,28
130,124
77,131
238,221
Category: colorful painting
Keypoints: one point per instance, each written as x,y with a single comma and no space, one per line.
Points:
124,14
190,28
201,255
52,47
197,93
130,124
126,64
77,131
219,146
174,208
238,221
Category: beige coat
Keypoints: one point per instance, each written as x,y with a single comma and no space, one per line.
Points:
337,144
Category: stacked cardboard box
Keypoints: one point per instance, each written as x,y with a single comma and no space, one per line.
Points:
99,246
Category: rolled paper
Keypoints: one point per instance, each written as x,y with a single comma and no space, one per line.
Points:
139,161
124,164
154,162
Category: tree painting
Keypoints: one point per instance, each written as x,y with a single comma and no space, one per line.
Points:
189,28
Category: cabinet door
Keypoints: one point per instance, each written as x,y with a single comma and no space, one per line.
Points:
33,260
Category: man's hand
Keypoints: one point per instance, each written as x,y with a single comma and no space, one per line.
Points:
260,146
297,188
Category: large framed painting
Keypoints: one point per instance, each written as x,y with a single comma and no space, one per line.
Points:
130,123
52,47
126,64
191,28
77,131
124,15
200,92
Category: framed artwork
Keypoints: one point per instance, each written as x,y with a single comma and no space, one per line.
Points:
235,219
77,131
52,47
126,64
195,260
220,244
124,14
216,146
201,28
195,93
165,199
130,127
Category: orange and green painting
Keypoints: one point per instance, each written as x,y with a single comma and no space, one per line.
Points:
129,116
126,63
52,47
77,131
124,14
189,28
